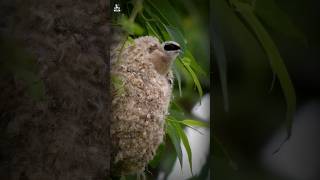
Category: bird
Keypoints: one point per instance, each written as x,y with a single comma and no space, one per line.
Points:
140,102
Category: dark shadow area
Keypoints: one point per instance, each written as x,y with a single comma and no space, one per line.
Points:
54,83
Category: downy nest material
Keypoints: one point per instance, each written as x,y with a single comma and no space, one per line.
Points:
140,103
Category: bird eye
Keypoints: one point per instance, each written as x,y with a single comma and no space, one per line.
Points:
171,47
152,48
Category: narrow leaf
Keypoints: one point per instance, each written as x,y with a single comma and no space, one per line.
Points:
131,27
220,150
178,76
156,159
186,62
185,142
219,53
276,61
193,63
193,123
166,11
175,139
268,11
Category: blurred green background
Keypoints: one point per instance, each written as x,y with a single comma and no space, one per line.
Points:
255,124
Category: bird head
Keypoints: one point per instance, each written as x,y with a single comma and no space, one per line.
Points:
163,58
172,49
160,55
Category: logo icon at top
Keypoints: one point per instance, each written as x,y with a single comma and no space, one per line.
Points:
116,8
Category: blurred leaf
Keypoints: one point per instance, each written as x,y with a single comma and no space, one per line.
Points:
175,139
192,123
129,42
130,26
177,36
185,76
274,76
148,26
193,63
188,123
204,173
176,106
156,159
163,32
169,157
276,61
220,151
118,85
186,62
178,76
176,114
166,12
152,31
185,142
277,20
219,53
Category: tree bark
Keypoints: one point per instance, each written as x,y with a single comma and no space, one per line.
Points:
66,135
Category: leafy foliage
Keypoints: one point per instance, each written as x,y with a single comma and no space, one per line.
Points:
118,86
131,27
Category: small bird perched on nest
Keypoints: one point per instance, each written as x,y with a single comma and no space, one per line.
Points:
140,104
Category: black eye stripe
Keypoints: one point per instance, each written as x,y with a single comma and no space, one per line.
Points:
171,47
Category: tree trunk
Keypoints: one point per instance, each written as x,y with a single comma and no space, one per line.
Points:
65,135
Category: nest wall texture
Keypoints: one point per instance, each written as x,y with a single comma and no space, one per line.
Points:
138,113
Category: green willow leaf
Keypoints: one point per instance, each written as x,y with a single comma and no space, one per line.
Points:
176,114
167,13
219,53
152,31
268,11
186,62
163,33
149,27
276,61
193,63
175,139
131,27
185,142
192,123
178,77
